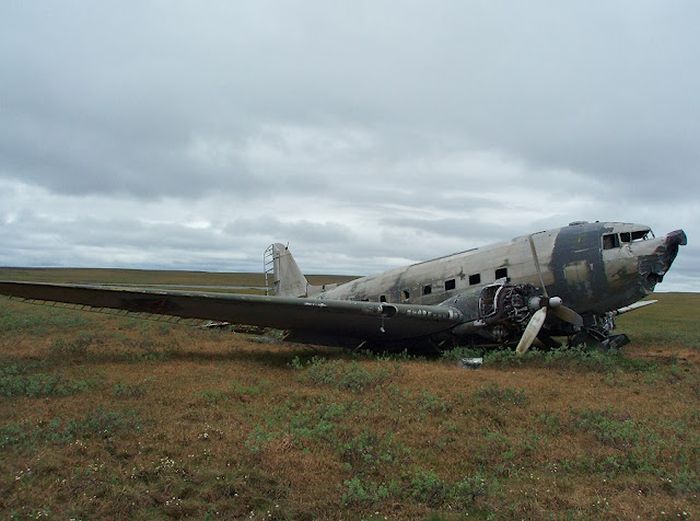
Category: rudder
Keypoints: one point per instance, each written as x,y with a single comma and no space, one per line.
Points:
283,278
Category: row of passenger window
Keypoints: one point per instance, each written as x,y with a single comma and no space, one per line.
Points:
451,284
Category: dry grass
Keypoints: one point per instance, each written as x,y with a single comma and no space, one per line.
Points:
111,417
195,279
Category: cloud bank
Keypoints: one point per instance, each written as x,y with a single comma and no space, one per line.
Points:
191,135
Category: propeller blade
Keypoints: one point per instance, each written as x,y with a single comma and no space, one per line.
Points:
533,327
568,315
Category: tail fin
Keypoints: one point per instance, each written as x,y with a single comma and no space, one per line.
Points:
283,277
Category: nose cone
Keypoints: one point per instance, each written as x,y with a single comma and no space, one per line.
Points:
653,267
678,237
669,249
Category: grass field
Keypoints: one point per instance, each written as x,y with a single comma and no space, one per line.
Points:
109,417
194,279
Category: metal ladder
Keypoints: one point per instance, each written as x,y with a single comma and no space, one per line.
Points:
269,267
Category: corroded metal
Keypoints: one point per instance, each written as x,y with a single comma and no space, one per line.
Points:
584,273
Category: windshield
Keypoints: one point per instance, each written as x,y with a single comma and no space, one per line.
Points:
615,240
637,235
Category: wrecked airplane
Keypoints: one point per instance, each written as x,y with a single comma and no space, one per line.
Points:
567,282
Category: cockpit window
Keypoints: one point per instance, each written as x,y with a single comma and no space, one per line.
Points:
611,241
639,235
642,235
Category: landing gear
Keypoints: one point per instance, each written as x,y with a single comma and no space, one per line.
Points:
596,333
591,337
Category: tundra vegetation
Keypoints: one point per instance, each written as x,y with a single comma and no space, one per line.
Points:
106,416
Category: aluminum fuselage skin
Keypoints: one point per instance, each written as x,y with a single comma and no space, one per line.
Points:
590,277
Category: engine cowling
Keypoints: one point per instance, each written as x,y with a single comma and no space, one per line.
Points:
497,312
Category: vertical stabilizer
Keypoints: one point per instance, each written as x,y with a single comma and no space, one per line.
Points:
283,277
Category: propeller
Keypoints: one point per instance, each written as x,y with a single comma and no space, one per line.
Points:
542,305
533,327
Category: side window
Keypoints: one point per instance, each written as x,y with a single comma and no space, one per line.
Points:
474,279
501,273
382,298
406,294
611,241
427,289
625,237
450,284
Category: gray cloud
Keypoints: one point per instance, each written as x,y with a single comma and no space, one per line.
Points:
368,135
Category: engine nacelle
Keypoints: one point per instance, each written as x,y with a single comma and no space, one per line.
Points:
498,312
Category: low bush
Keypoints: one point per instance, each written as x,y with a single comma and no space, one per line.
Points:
352,375
77,347
14,381
501,396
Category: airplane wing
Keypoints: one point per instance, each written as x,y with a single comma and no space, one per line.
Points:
361,320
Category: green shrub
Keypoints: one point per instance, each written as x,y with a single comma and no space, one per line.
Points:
426,487
352,375
14,383
608,429
12,434
296,363
99,422
578,357
368,450
212,397
458,353
468,489
429,403
502,397
41,320
76,347
359,491
550,422
316,421
685,481
258,438
238,389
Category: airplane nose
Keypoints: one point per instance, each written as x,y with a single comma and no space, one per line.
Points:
653,267
677,237
668,253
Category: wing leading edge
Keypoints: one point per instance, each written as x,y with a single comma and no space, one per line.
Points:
361,320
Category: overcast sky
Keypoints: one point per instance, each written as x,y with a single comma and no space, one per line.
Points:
371,134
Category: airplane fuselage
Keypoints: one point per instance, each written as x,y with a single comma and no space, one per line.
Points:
594,267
